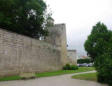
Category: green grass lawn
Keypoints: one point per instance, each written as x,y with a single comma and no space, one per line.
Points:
61,72
10,78
88,76
47,74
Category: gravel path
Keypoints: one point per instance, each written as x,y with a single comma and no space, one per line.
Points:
63,80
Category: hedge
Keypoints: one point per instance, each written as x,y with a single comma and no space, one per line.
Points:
80,61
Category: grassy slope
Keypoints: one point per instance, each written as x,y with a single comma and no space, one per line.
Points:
46,74
61,72
10,78
88,76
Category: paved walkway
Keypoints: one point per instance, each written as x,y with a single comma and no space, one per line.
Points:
63,80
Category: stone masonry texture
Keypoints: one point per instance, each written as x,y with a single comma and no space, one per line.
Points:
20,54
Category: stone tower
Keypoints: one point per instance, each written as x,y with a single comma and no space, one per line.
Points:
57,37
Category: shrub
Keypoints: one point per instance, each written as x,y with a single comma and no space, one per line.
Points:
70,67
73,67
80,61
103,65
66,67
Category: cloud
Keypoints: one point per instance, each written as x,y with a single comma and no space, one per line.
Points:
80,16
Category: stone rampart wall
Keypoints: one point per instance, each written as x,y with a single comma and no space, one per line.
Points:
23,54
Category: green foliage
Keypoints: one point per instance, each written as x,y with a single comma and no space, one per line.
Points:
98,40
73,67
80,61
70,67
66,67
103,65
25,17
99,47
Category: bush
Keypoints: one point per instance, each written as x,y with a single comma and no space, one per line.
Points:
80,61
66,67
70,67
73,67
103,66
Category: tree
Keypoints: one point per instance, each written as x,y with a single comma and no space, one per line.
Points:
99,48
97,41
25,17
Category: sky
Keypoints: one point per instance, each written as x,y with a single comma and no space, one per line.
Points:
80,16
